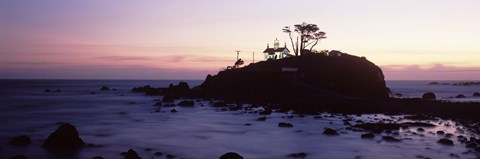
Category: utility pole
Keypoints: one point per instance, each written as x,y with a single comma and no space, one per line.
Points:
238,52
253,57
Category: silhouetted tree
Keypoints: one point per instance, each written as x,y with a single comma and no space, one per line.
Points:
238,63
308,35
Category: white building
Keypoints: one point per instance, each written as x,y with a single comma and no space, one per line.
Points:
276,52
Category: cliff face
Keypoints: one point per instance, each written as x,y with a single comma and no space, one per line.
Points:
308,77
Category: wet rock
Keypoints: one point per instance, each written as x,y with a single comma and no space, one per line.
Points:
231,155
390,139
367,136
429,95
261,118
378,127
98,157
131,154
148,90
285,125
420,129
460,96
19,157
462,138
168,99
445,141
329,131
173,111
219,104
186,103
104,88
47,91
65,138
21,140
471,144
298,155
158,153
440,132
158,104
170,156
477,149
266,112
420,117
418,124
476,94
448,135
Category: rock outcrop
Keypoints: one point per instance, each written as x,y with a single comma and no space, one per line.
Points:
312,76
65,138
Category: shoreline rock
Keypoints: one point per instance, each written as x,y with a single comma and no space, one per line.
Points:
64,138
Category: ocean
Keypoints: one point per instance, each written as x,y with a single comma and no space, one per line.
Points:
117,120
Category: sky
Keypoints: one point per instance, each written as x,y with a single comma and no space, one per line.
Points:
188,39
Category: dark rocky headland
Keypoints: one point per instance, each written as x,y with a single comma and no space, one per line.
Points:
314,83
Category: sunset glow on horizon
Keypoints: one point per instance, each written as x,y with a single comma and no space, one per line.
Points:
111,39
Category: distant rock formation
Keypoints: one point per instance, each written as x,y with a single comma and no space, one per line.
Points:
308,77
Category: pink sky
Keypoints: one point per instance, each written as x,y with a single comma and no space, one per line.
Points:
120,39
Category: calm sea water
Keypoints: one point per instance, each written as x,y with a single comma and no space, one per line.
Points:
444,92
118,120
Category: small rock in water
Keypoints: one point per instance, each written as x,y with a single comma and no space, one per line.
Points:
97,157
367,136
445,141
429,95
231,155
186,103
471,144
173,111
440,132
158,153
47,91
329,131
21,140
219,104
65,138
285,125
104,88
266,112
158,104
167,99
170,156
476,94
298,155
420,129
131,154
390,139
19,157
261,118
460,96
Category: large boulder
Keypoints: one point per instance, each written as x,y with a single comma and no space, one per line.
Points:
231,155
429,95
131,154
65,138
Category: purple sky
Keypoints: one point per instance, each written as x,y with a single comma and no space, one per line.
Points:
120,39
